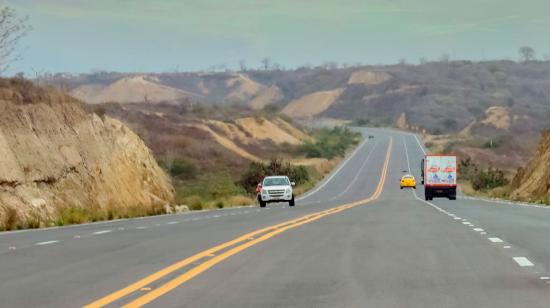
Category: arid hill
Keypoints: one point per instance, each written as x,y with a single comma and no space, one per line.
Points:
57,157
217,89
496,109
213,138
129,90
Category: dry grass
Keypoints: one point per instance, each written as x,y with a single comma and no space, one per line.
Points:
10,220
70,215
241,200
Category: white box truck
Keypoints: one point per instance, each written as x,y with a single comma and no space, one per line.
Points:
439,176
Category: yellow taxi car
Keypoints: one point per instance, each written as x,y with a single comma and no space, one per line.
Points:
408,181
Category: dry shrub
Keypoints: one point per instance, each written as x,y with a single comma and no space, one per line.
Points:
10,219
70,215
240,201
326,166
34,221
195,203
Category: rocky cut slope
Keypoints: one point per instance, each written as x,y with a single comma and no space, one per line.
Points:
55,156
533,181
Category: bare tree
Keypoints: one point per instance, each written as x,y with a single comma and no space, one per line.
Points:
445,57
403,61
527,54
422,61
330,65
242,65
266,63
12,30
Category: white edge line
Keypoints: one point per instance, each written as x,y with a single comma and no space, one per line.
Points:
358,173
46,243
335,172
523,261
102,232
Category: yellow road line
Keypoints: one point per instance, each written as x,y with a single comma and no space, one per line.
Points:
269,233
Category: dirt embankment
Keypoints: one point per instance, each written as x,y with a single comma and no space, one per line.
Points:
55,156
129,90
312,104
533,181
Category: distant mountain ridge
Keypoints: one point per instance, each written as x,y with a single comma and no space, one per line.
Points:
480,101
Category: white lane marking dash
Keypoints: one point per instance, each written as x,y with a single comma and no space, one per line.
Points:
495,240
141,228
217,216
523,261
46,243
506,247
466,223
172,223
482,233
478,229
102,232
544,278
12,248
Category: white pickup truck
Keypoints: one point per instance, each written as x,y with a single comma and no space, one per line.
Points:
276,189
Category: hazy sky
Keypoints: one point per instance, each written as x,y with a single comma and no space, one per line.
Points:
162,35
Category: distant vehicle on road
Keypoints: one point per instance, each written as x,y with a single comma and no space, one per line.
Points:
439,176
276,189
371,136
408,181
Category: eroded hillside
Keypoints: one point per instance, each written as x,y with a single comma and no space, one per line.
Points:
210,150
214,138
57,157
533,181
490,110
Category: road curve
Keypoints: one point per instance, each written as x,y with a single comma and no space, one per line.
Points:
355,241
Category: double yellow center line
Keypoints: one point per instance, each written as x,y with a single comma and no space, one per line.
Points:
226,250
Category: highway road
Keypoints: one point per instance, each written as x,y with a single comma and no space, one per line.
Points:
356,240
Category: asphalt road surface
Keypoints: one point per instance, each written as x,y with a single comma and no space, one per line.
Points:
356,240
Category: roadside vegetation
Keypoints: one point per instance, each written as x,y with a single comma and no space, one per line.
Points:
258,170
199,188
71,215
482,179
477,175
330,143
